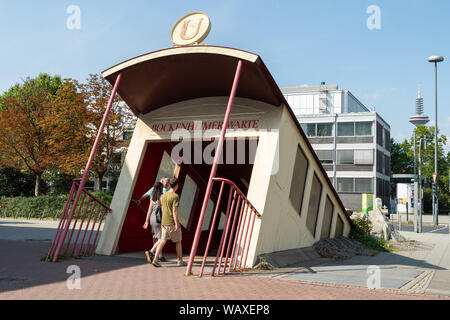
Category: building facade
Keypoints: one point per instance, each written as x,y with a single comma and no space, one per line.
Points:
351,141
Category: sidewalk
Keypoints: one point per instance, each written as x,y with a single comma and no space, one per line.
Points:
421,267
24,276
438,256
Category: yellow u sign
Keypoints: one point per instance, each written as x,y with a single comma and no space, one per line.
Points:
193,28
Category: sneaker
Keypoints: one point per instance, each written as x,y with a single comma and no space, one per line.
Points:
155,263
163,259
149,256
181,263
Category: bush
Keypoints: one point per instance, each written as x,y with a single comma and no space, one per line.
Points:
14,183
360,232
444,202
44,206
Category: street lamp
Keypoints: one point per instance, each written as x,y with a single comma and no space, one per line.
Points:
435,60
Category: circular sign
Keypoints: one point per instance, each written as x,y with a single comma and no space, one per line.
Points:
193,28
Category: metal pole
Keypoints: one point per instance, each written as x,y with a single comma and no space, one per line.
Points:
416,205
419,195
416,193
335,152
415,171
214,168
88,166
436,200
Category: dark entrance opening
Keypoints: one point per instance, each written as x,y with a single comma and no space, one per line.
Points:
193,174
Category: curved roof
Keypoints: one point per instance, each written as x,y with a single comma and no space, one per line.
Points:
167,76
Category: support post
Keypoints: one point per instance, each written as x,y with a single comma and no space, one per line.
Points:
217,156
88,166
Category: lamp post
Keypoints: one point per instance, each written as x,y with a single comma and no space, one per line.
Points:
435,60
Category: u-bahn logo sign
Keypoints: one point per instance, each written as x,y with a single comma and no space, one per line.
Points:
191,29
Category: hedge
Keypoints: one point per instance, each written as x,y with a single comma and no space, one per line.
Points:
43,207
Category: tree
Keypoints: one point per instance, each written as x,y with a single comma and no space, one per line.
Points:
14,183
402,161
41,125
97,92
427,155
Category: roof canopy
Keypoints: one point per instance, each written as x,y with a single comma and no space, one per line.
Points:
172,75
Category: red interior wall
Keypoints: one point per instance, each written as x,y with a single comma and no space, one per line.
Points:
133,237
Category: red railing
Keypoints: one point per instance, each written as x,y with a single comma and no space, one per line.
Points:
237,233
89,209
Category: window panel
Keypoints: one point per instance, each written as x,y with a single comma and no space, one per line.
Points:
345,184
380,135
345,157
186,201
311,129
324,129
339,227
364,185
325,156
222,221
364,157
304,127
313,206
363,128
208,215
327,217
346,129
166,168
298,180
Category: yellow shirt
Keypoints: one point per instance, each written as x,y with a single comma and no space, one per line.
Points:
168,201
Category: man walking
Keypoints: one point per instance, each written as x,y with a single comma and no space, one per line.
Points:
170,225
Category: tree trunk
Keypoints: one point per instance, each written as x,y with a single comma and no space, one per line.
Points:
99,179
37,185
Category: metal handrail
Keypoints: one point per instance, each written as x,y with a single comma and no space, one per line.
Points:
237,240
95,211
235,187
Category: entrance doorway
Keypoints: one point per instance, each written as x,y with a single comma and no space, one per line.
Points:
237,165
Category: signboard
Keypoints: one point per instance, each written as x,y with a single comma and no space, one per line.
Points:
204,125
405,197
191,29
367,203
434,177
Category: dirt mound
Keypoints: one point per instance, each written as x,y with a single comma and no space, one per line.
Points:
340,248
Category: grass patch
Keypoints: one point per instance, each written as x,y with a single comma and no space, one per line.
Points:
44,207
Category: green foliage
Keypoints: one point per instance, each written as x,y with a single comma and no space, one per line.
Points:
402,156
361,228
444,202
14,183
42,207
361,232
57,181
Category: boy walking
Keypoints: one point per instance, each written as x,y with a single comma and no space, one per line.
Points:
170,225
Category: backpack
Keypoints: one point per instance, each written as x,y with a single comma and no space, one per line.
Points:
158,213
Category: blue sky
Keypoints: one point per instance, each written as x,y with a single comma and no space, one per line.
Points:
301,42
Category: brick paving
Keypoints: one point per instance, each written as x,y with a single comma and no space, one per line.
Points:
24,276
